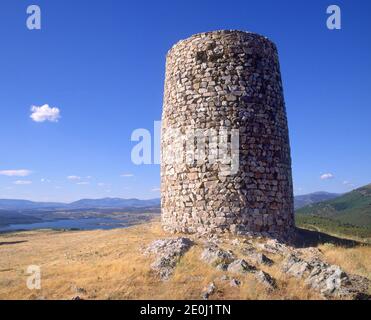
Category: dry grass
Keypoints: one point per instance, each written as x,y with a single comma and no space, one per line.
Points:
109,265
355,260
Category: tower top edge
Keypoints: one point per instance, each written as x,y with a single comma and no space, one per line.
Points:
222,32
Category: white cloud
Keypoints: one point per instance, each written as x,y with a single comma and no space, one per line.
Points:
156,189
101,184
327,176
15,173
127,175
74,178
83,183
45,180
22,182
44,113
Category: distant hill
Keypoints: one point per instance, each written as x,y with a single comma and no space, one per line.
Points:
349,213
11,204
307,199
113,203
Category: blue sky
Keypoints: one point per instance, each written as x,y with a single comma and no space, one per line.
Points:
101,63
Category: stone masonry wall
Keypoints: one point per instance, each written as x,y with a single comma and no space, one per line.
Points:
226,79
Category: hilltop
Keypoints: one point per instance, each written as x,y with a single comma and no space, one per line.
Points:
111,264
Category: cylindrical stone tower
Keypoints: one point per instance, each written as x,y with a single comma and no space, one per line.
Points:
217,81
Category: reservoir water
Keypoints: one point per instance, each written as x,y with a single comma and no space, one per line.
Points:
81,224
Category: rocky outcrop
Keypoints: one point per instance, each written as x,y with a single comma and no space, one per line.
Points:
168,253
306,264
240,266
217,257
226,261
265,279
295,266
274,246
256,257
208,291
330,280
235,283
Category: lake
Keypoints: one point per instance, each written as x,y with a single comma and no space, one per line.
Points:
81,224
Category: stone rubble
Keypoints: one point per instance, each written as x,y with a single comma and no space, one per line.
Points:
167,252
265,279
256,257
240,266
235,283
303,263
222,267
295,266
330,280
215,256
208,291
274,246
226,261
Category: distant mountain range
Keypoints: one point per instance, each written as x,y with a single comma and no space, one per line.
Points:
307,199
349,213
118,203
12,204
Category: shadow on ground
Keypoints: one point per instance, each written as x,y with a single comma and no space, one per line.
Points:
11,242
307,238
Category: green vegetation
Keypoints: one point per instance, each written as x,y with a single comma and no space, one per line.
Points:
332,226
349,214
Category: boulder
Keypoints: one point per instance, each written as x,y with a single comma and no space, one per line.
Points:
235,283
276,247
208,291
295,266
257,257
168,253
240,266
215,256
265,279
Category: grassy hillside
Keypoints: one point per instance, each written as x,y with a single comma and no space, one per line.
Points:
349,214
108,264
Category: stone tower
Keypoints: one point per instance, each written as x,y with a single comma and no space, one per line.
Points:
217,81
